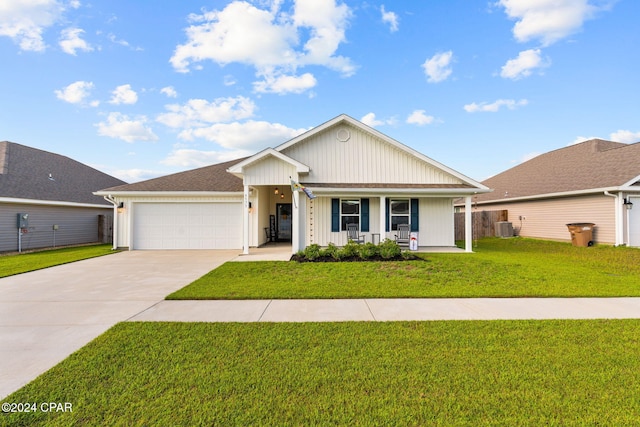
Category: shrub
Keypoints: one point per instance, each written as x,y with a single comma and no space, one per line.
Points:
312,252
331,251
368,250
350,250
389,249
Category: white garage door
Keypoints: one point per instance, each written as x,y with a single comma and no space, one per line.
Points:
187,226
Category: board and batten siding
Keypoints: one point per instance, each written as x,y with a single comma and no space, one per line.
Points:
435,218
548,219
76,225
269,171
363,158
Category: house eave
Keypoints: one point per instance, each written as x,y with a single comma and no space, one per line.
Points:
440,192
624,189
169,193
15,200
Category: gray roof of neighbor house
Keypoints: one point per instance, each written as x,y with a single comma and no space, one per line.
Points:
593,164
30,173
208,178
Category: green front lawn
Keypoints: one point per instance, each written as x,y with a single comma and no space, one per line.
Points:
25,262
498,268
525,373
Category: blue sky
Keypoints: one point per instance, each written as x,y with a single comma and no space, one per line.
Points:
143,88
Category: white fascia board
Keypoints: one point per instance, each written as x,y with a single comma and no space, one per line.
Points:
631,182
167,193
52,203
357,124
238,169
440,192
562,194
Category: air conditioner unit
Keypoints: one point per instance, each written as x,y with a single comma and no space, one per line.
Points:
504,229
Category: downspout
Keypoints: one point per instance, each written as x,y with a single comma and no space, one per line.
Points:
111,200
619,222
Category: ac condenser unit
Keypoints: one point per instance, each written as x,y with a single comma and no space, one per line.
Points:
504,229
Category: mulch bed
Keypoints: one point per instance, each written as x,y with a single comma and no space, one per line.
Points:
408,257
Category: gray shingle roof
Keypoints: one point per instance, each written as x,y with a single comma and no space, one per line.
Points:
208,178
30,173
589,165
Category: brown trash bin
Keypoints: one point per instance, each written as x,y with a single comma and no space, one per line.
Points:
581,233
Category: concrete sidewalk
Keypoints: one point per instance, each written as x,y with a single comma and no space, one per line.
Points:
391,309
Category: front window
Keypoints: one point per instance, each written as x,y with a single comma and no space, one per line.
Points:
349,213
400,212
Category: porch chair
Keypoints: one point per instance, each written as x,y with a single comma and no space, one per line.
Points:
353,234
402,238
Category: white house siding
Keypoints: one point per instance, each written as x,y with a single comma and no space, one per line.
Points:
269,171
362,159
547,219
436,222
76,225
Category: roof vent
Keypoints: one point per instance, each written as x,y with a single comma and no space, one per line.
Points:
343,135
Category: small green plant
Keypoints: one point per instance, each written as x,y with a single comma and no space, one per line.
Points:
351,249
389,249
312,252
368,250
331,251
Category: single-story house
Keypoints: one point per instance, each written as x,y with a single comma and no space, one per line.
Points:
596,181
56,195
354,174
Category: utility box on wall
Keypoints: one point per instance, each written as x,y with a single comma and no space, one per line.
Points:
23,220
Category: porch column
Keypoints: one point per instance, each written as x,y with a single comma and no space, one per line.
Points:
245,222
468,225
295,222
383,218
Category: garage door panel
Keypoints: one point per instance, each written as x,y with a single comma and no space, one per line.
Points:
187,226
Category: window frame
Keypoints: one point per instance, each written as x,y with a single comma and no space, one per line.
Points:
343,224
394,225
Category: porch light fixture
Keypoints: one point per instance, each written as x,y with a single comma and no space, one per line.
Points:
120,207
627,203
282,196
250,208
276,191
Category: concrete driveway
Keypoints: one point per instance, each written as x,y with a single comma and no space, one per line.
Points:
48,314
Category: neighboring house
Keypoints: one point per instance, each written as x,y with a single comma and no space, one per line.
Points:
358,175
57,194
595,181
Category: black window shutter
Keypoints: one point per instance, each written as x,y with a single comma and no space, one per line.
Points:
415,226
386,215
364,215
335,215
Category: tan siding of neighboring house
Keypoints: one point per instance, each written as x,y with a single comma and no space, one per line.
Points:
363,158
547,218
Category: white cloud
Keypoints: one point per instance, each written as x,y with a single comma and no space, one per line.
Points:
123,94
390,18
250,135
24,21
120,126
169,91
185,157
418,117
285,84
523,65
548,20
495,106
272,41
200,112
370,119
625,136
135,175
580,139
76,92
71,41
437,68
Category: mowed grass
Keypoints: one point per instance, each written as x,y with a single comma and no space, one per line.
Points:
499,268
25,262
525,373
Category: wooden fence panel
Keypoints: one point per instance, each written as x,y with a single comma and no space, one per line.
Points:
483,223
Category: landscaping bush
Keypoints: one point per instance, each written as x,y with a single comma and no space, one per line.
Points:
388,250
